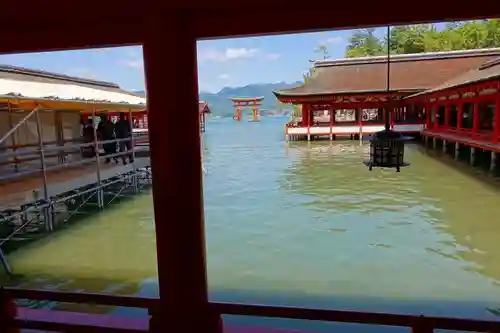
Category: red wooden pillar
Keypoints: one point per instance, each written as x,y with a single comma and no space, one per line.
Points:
428,112
446,116
179,220
475,118
496,121
8,313
306,115
460,115
391,114
435,109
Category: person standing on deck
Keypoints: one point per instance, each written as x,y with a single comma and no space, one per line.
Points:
124,131
88,137
106,130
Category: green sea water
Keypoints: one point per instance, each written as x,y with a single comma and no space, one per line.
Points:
301,224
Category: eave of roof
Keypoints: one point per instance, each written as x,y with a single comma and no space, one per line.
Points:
409,73
69,104
486,72
357,92
18,82
408,57
55,76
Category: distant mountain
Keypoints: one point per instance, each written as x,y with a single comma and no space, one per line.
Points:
139,92
220,103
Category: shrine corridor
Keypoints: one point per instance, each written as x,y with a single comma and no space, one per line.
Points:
301,224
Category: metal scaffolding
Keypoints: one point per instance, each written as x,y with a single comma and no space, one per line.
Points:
27,218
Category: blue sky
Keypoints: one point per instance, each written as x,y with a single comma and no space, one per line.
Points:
221,63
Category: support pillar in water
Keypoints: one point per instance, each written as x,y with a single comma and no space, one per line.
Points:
457,150
434,143
255,112
493,162
472,156
444,146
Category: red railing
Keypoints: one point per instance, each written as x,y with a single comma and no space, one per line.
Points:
34,320
483,136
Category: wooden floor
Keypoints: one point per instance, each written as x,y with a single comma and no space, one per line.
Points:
461,139
17,192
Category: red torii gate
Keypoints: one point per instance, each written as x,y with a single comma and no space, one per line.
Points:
240,102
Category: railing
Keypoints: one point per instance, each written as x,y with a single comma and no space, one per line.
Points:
484,136
409,121
53,157
22,156
31,319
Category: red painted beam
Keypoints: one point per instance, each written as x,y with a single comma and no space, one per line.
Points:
317,15
260,311
65,320
84,322
96,23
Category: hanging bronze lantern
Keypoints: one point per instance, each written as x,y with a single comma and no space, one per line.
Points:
387,147
387,150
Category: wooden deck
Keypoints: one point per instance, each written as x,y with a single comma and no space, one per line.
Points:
24,190
475,143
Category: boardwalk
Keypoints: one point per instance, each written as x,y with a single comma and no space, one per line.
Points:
28,189
451,137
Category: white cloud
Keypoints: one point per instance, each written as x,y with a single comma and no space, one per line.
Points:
333,40
205,86
224,76
227,55
273,56
133,63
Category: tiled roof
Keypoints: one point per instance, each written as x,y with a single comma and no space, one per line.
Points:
203,107
408,73
486,71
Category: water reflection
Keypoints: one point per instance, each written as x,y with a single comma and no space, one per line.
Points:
426,232
304,225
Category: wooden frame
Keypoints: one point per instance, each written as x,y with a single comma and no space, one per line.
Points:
169,31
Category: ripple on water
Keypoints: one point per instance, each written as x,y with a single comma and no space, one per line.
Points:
304,219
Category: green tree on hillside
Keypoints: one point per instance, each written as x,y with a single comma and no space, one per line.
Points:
426,38
323,50
364,42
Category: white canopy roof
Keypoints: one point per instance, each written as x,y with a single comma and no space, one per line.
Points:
65,91
23,84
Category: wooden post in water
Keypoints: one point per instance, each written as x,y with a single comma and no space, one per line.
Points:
457,150
331,113
360,126
493,163
472,156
